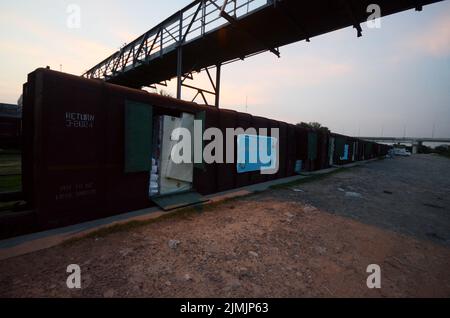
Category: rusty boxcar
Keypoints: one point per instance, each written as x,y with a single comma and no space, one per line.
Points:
93,150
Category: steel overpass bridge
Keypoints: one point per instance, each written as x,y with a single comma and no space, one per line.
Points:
207,34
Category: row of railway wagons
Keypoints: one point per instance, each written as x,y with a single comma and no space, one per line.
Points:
93,150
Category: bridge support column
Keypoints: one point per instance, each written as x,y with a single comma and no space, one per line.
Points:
179,71
201,92
218,71
416,146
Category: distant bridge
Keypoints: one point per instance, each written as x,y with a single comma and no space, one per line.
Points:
406,140
209,33
415,142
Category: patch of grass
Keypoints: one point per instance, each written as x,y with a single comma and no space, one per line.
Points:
11,183
132,225
10,163
181,214
445,155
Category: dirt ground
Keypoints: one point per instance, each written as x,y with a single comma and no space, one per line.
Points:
313,239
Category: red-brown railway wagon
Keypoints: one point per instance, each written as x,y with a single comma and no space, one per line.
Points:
93,149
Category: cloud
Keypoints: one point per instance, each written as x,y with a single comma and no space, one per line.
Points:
434,40
36,44
124,36
312,71
262,82
66,47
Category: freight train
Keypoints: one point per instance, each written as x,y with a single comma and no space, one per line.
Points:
93,150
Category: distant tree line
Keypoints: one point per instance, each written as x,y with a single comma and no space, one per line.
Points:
443,150
313,125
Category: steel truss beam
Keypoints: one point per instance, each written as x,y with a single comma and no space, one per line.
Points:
194,21
158,54
201,91
174,33
232,20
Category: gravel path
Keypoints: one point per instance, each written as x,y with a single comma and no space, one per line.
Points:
313,239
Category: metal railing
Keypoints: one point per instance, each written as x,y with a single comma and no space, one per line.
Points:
191,23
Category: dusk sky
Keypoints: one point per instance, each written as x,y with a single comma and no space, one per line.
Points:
391,78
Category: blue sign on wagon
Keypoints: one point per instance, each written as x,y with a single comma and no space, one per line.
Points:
346,152
298,166
255,153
